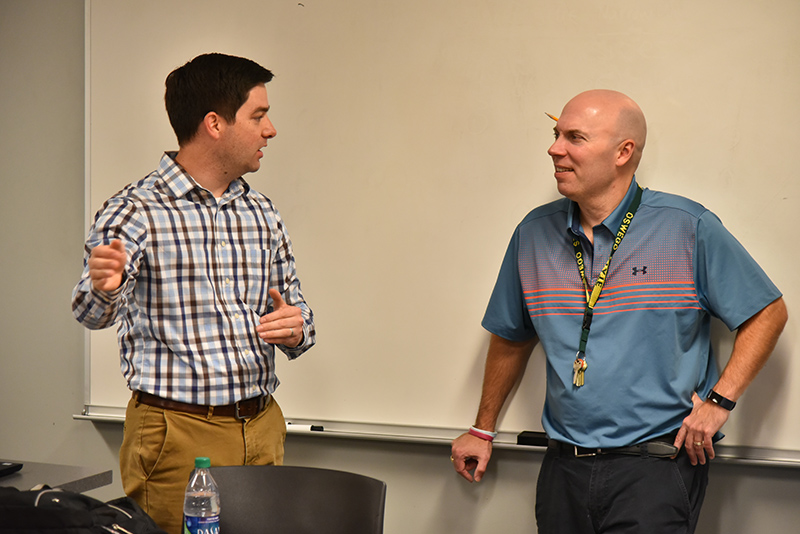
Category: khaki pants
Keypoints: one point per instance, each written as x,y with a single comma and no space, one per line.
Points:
159,447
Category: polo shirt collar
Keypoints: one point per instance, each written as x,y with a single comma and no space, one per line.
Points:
611,222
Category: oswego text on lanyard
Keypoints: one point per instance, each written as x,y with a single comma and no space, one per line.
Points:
580,365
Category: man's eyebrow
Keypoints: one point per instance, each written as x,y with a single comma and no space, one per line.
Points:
261,109
571,131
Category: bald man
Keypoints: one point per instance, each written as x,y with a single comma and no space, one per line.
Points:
619,284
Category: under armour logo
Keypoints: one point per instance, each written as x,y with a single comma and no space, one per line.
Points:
643,270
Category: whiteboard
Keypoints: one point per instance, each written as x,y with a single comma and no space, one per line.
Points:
412,139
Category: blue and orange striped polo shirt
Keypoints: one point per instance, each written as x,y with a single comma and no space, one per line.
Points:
650,343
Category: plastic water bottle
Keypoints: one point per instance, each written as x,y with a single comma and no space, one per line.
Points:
201,503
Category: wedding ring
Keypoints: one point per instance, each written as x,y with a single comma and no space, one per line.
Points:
291,332
698,443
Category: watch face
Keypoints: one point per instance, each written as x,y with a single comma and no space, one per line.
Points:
716,398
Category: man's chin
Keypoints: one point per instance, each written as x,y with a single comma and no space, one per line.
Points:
564,188
252,168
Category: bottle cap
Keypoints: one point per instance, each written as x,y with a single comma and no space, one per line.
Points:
202,462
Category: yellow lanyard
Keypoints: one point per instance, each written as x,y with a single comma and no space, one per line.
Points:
580,365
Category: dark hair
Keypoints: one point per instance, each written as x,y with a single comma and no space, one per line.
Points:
210,82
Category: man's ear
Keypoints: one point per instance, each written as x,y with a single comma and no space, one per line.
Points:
213,124
625,152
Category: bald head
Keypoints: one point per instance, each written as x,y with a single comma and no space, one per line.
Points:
599,140
615,112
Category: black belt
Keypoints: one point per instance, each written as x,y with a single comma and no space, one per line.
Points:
657,448
240,410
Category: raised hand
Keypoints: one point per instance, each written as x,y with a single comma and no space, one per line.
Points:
106,265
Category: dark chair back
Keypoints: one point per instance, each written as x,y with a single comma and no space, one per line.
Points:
298,500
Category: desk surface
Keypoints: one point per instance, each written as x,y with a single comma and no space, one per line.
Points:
66,477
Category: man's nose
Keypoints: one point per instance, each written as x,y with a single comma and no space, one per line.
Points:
556,149
269,130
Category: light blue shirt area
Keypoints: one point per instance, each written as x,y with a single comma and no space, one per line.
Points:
649,348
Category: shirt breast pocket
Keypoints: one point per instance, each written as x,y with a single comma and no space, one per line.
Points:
255,278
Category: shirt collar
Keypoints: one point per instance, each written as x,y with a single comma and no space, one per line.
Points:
611,222
179,183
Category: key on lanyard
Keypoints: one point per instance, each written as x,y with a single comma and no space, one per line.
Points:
579,368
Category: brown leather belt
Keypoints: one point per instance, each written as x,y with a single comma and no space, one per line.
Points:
240,410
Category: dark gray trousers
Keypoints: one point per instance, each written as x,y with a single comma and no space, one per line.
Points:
615,494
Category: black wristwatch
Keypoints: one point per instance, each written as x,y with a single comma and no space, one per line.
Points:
716,398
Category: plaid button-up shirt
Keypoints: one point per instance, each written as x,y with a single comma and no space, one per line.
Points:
195,285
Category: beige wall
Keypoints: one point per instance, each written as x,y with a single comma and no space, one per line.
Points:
42,348
42,221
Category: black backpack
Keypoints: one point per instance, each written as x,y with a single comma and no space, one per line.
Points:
54,511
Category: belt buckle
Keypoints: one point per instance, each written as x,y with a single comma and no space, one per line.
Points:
236,411
261,404
586,454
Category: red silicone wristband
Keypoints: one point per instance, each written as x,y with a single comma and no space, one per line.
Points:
481,435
